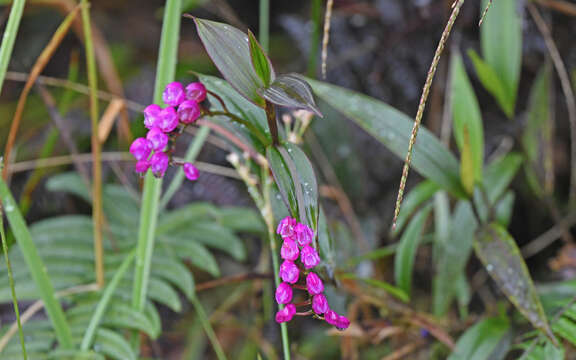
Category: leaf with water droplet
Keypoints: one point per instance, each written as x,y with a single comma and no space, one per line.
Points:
500,255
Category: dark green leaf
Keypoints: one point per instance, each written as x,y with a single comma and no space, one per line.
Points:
393,128
420,194
163,293
467,117
175,272
125,317
501,40
493,84
566,328
406,252
260,61
478,342
185,249
502,259
229,49
296,181
292,91
114,345
389,288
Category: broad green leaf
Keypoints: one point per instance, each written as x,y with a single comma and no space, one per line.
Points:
255,129
114,345
59,354
467,163
537,137
291,91
546,351
479,341
500,173
229,49
504,209
71,183
451,257
406,251
493,84
393,128
501,40
175,272
295,178
260,61
502,259
466,115
420,194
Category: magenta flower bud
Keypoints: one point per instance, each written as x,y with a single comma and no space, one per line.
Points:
196,91
331,317
303,234
140,148
157,139
151,114
289,272
289,250
286,227
188,111
309,257
167,120
286,314
191,171
142,166
174,94
283,293
342,323
320,304
314,284
159,163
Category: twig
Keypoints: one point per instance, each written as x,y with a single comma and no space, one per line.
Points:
455,10
326,35
548,237
231,280
566,89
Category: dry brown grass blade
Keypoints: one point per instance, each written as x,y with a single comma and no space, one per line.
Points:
326,35
566,89
39,66
115,107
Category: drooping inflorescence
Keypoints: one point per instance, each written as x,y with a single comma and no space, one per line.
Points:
164,125
297,243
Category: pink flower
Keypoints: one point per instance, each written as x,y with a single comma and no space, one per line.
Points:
303,234
167,120
151,114
286,227
342,323
286,314
157,139
289,272
191,171
159,163
196,91
188,111
142,166
140,148
309,257
289,250
314,284
283,293
331,317
320,304
174,94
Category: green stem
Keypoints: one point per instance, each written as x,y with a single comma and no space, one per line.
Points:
253,129
264,26
9,37
190,156
12,289
208,328
36,267
104,301
316,16
271,117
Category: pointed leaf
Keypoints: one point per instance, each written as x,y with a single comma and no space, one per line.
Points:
467,163
229,49
163,293
393,128
296,181
501,40
566,328
292,91
124,316
114,345
406,252
241,219
502,259
420,194
466,114
185,249
174,271
260,61
214,236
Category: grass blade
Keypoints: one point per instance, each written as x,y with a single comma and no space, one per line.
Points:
36,267
9,37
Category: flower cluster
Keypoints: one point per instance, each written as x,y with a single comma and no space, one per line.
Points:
183,109
297,241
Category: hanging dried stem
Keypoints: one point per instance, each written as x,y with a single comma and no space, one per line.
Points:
326,35
427,85
484,13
